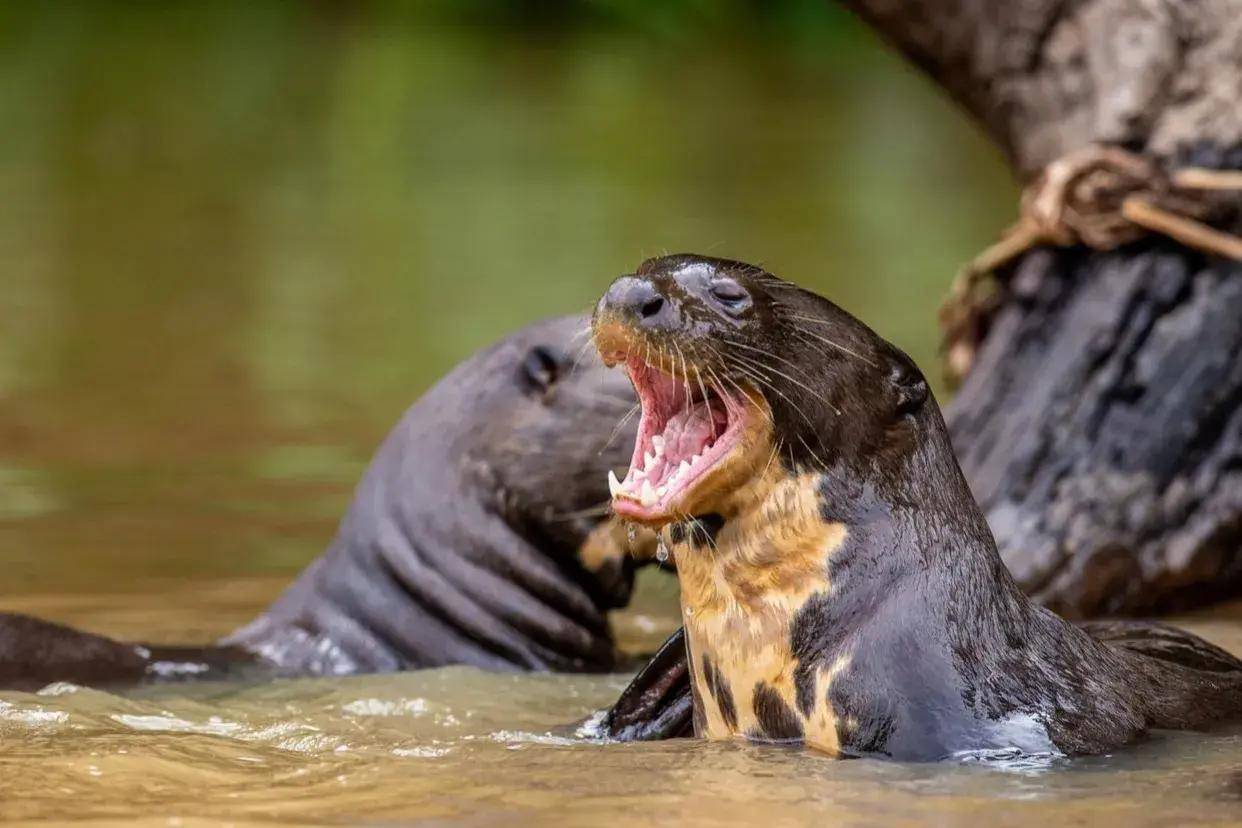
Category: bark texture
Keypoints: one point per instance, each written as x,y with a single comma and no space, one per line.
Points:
1047,76
1101,429
1101,424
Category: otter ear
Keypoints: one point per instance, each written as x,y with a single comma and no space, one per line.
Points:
909,385
541,368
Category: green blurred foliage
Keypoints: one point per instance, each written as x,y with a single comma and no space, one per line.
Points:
240,237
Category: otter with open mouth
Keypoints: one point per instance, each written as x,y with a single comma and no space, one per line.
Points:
839,585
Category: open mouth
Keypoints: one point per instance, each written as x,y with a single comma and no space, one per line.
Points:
686,431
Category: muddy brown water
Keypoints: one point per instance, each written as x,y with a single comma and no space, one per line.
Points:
460,745
237,239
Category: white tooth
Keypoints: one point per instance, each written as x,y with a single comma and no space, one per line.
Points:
684,467
648,460
662,491
658,442
648,495
614,485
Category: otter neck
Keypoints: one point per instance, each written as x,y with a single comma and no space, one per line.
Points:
743,576
769,591
766,553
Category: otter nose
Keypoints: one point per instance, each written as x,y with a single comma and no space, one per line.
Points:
639,302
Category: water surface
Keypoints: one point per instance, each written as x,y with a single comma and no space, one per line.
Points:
238,239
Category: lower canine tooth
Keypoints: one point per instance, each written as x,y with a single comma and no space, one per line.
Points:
648,460
648,495
614,485
658,442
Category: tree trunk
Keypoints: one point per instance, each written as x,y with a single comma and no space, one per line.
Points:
1101,423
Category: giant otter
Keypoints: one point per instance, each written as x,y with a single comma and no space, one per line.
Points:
839,585
475,537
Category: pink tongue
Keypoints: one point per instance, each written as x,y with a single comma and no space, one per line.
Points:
687,433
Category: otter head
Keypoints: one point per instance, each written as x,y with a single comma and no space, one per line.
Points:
736,370
466,539
550,420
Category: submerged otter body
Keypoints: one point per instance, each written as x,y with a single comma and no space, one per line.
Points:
475,537
839,585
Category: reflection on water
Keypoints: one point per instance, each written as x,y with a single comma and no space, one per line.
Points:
239,238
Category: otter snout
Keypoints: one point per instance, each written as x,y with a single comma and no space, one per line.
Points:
639,302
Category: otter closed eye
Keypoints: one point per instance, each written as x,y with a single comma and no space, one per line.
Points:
731,295
839,585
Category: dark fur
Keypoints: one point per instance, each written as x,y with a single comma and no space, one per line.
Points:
777,721
945,652
718,686
35,653
460,545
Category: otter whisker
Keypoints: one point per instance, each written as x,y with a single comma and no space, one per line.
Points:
585,348
782,374
617,430
766,383
707,536
766,353
587,345
597,510
827,341
809,338
776,447
820,460
603,396
769,370
685,369
718,385
698,375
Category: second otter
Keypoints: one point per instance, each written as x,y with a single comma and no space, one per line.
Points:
475,537
839,585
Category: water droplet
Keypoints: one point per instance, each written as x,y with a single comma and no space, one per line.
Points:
630,535
689,610
661,550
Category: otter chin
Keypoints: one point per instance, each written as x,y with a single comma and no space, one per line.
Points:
840,588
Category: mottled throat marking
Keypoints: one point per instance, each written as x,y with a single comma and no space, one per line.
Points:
741,586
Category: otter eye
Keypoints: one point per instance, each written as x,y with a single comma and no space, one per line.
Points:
730,294
541,368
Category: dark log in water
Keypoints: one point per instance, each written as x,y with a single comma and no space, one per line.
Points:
1101,429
